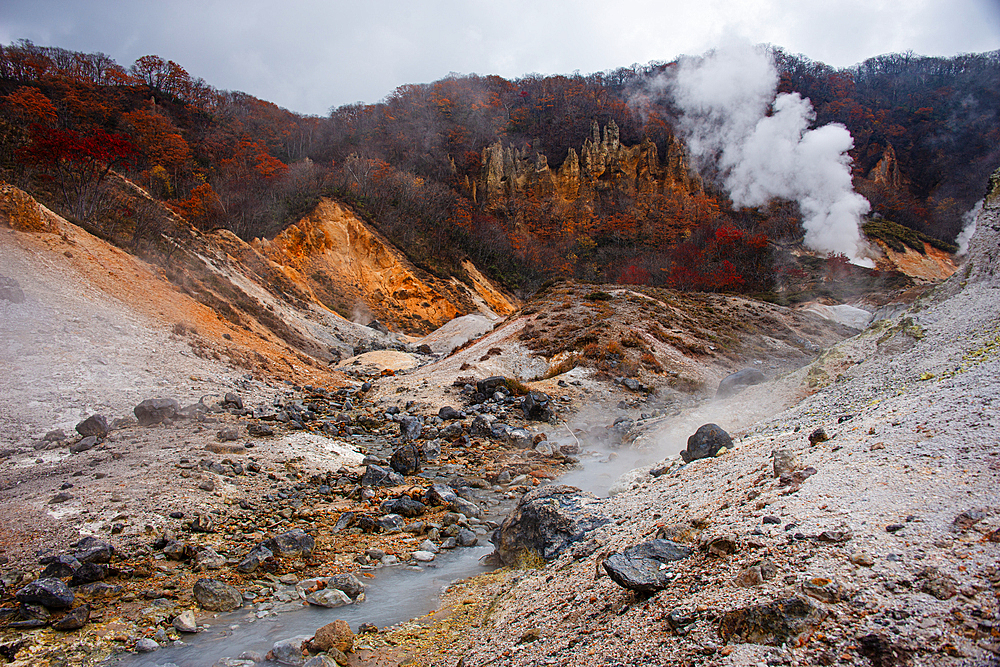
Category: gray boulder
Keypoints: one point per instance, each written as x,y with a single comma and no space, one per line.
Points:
546,522
91,549
774,623
641,567
378,476
738,381
295,542
348,583
155,410
406,460
410,427
216,595
706,442
254,559
84,444
448,413
52,593
535,406
96,425
10,290
404,506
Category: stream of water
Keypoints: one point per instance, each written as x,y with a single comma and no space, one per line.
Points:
395,594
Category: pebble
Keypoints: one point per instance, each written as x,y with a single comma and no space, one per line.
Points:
863,559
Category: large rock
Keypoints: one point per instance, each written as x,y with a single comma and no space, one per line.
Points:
774,623
547,521
406,460
52,593
348,583
404,506
336,635
487,386
328,597
289,651
96,425
535,406
378,476
216,595
295,542
410,427
74,620
738,381
641,567
155,410
706,442
447,413
441,494
254,559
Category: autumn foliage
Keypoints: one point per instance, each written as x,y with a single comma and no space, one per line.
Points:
925,134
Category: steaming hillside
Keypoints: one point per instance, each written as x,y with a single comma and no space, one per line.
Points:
859,526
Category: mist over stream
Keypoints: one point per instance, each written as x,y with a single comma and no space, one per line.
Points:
394,594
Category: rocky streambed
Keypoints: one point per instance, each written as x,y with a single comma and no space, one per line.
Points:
292,504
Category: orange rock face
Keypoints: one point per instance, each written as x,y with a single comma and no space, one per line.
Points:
933,265
351,269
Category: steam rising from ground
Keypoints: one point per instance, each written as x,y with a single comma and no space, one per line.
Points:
969,218
761,147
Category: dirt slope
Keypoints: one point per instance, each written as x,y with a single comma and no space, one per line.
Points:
888,533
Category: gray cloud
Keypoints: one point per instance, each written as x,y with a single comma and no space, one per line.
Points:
309,56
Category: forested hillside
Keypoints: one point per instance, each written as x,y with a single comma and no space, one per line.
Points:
533,178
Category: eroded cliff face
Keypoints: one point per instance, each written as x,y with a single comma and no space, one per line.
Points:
348,267
604,167
932,265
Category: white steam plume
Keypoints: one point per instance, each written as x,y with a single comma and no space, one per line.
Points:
763,148
969,218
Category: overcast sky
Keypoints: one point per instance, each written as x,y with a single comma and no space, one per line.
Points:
309,56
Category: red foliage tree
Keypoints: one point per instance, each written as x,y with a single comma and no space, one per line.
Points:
78,163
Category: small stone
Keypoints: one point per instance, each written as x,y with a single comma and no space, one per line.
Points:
863,559
84,444
821,588
818,436
894,527
227,434
185,622
783,461
74,620
750,576
423,556
289,651
328,597
146,645
722,545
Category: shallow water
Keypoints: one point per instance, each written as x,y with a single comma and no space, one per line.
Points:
396,594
